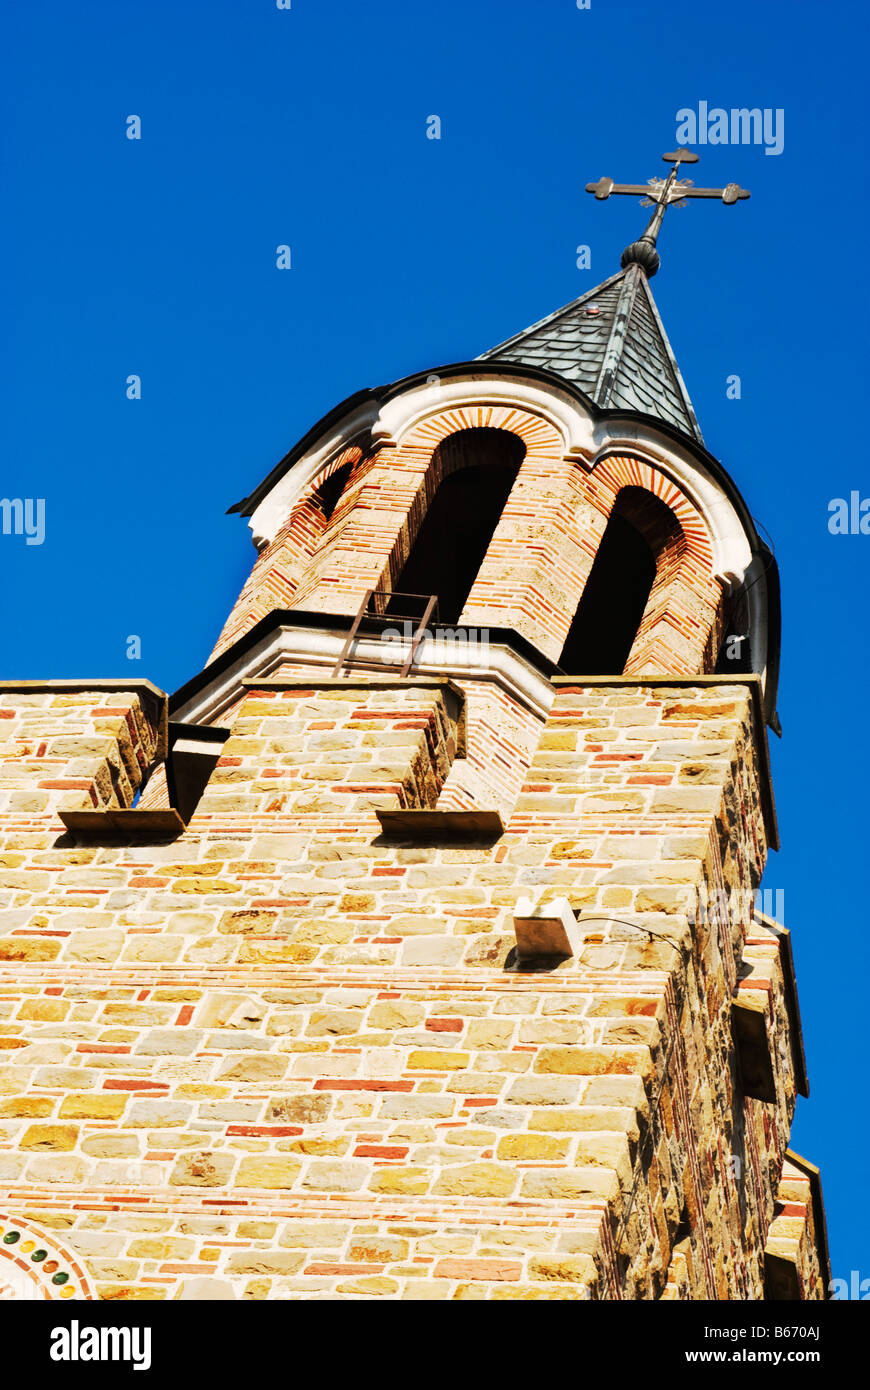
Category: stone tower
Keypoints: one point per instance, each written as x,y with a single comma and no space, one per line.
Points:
408,950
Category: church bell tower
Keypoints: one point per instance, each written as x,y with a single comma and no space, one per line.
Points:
424,960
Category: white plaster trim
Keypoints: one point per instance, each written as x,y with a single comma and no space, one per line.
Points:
321,648
275,508
732,553
579,435
404,412
390,423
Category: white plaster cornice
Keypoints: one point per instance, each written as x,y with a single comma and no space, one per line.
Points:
318,649
403,412
581,437
274,509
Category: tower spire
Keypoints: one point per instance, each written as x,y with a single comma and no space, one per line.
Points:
611,341
659,194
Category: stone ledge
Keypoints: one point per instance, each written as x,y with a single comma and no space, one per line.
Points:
440,825
659,678
131,823
34,687
820,1225
782,937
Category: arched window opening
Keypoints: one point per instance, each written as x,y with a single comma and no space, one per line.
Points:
328,494
477,469
311,516
612,604
638,554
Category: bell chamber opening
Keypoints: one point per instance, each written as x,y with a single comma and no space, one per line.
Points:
639,551
476,469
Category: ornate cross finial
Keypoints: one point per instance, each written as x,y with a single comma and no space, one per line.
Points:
660,193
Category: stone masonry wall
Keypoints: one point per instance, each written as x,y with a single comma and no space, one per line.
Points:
287,1056
74,747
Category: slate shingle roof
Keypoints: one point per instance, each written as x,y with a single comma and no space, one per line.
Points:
612,344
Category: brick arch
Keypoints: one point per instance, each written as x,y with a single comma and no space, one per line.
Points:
618,471
438,546
541,438
398,484
281,565
307,524
543,444
681,626
543,550
534,571
366,546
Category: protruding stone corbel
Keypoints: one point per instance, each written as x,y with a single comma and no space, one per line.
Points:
550,929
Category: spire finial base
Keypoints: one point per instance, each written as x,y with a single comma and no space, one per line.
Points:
644,254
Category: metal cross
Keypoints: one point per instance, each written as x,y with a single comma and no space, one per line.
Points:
660,193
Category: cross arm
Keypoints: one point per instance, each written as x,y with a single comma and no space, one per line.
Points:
731,193
604,187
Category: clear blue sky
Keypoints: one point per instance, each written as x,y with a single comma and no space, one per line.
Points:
307,127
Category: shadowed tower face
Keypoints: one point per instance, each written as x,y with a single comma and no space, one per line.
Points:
426,963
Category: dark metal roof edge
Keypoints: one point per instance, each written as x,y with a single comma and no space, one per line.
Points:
768,800
774,639
35,687
299,448
670,355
